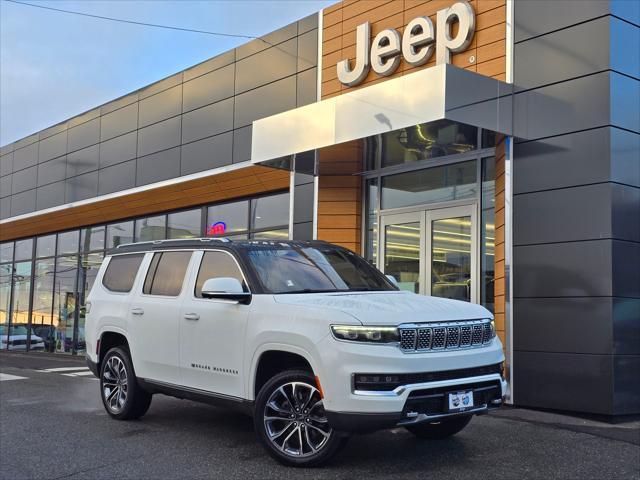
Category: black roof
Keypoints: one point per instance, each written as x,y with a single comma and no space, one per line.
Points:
203,243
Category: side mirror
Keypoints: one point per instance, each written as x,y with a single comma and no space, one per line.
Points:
393,280
225,288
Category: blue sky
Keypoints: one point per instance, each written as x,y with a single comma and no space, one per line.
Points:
55,65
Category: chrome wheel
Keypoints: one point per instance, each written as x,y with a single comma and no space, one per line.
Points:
114,384
295,420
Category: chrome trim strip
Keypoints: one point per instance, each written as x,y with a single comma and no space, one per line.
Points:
398,391
422,417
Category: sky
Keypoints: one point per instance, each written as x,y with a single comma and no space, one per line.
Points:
55,65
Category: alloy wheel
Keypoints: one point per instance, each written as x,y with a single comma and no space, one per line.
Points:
295,420
115,384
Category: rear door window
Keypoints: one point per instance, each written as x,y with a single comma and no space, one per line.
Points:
166,273
121,272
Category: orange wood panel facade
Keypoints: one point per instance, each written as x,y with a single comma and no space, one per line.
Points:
500,277
215,188
486,54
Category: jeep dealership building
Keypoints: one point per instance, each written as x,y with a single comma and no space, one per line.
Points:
487,151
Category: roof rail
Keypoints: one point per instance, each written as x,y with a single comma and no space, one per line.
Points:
175,240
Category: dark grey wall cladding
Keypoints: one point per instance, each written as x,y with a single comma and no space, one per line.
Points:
192,121
576,206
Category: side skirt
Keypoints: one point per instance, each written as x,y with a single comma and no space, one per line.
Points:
201,396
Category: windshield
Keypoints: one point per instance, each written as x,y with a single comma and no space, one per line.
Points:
285,268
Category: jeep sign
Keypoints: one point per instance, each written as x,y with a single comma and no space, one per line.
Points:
419,41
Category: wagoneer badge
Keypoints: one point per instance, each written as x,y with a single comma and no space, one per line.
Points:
417,46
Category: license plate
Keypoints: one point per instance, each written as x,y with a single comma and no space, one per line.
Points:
459,401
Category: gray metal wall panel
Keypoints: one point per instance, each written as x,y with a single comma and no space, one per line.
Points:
307,50
83,161
160,106
159,166
52,171
5,186
119,103
23,142
207,121
625,167
84,135
159,136
265,101
6,164
83,117
625,207
625,98
242,144
303,231
50,195
214,63
308,23
25,157
626,399
5,208
118,122
267,41
52,147
267,66
626,327
303,203
564,381
81,187
209,88
623,36
119,149
24,180
117,177
625,268
24,202
206,154
627,10
574,269
307,86
160,86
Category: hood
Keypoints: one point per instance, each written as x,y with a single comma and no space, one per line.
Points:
389,308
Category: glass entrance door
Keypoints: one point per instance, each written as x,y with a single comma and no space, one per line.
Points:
433,252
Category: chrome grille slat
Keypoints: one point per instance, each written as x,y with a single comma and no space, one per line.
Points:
445,335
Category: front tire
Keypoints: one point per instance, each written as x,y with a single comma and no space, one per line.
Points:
122,396
439,430
291,422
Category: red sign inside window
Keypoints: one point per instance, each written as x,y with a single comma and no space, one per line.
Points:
218,228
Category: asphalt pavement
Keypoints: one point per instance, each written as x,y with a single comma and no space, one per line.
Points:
53,425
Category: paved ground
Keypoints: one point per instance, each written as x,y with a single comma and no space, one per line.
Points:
52,425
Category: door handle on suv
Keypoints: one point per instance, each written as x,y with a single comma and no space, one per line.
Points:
137,311
191,316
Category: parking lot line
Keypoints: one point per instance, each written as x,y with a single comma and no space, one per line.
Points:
78,374
63,369
5,377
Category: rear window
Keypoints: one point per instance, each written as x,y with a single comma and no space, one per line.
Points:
121,272
166,273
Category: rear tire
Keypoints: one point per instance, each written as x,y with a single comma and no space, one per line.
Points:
439,430
122,396
291,422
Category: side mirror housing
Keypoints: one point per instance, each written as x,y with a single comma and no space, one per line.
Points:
225,288
393,280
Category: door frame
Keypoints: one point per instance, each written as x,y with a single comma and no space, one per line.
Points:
425,215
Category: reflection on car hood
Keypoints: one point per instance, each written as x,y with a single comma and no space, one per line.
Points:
13,338
389,308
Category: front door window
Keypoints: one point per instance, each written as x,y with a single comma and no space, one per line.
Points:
451,258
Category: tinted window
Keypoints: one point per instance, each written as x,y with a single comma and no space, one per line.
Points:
166,273
119,233
270,211
185,224
216,265
227,218
121,272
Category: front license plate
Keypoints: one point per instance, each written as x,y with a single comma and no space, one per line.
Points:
460,401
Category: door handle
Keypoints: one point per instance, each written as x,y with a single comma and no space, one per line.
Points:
137,311
191,316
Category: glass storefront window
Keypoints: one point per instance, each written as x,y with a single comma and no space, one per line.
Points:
6,252
24,249
424,141
119,234
5,292
371,248
439,184
20,305
184,224
151,228
42,324
227,218
89,265
68,242
46,246
92,238
487,234
281,234
64,302
270,211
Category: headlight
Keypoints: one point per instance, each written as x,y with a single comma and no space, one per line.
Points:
493,329
365,334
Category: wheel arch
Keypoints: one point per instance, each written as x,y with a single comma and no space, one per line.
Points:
110,337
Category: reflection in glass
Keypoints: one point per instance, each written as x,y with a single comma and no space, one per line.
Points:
68,242
487,234
402,255
6,252
92,238
151,228
184,224
46,246
89,266
422,142
270,211
371,248
431,185
119,234
24,249
64,302
20,305
451,258
282,234
227,218
42,320
5,292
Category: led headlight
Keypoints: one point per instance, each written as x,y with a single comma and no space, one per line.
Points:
365,334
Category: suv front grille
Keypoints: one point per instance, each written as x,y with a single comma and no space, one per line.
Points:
445,335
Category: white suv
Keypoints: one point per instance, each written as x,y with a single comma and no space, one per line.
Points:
307,337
